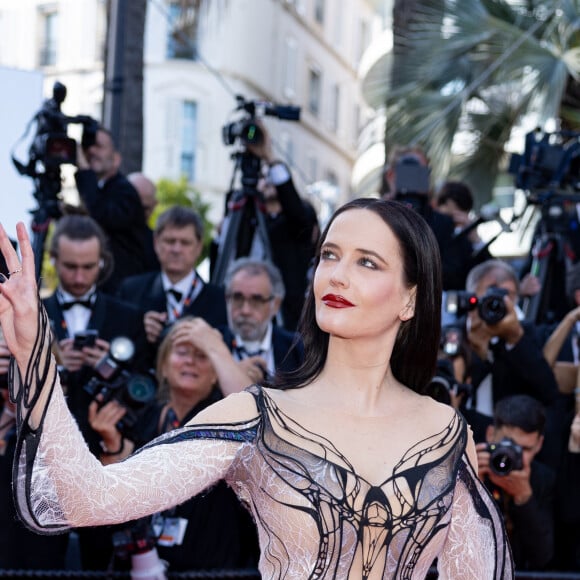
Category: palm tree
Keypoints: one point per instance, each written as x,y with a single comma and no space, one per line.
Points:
473,71
123,100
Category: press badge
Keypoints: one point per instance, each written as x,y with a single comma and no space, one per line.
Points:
170,531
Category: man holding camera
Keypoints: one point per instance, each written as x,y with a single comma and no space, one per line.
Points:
507,356
84,319
522,486
114,204
406,178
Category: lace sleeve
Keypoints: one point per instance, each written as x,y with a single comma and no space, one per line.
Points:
476,545
59,484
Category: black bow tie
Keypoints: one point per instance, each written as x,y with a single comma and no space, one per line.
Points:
176,294
86,303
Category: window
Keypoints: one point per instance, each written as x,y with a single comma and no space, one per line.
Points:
319,11
334,107
363,40
188,140
290,69
48,42
314,88
181,32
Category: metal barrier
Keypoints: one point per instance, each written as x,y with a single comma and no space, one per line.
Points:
227,574
79,574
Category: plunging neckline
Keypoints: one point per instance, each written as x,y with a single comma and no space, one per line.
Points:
276,416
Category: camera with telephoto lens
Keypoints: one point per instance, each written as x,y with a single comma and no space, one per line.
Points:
246,129
505,456
113,381
444,384
491,306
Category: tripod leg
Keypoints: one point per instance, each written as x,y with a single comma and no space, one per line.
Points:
262,233
39,228
540,265
227,246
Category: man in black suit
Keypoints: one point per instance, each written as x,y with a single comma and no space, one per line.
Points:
178,289
254,293
79,254
114,204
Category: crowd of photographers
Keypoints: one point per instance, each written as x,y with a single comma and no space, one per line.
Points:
144,343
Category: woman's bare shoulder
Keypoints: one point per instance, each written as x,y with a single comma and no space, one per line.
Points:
235,408
434,414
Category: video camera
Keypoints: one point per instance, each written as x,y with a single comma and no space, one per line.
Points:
114,381
491,305
246,129
52,147
505,456
548,171
549,160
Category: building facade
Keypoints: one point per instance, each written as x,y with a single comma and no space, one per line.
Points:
305,53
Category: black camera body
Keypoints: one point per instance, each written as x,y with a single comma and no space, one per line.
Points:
85,338
113,380
444,384
505,456
491,306
246,129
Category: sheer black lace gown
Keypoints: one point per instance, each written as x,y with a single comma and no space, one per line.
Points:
317,518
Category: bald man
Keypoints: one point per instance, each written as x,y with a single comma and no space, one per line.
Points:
147,191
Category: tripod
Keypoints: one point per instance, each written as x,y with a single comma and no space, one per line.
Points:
47,188
244,229
552,257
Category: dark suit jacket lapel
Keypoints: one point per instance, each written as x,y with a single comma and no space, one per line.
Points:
98,317
55,315
157,294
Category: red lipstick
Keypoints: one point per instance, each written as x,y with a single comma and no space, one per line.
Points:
335,301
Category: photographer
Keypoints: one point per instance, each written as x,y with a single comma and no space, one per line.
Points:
114,204
406,178
522,486
291,223
194,370
507,357
78,252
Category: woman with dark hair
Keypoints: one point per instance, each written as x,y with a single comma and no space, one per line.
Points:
348,470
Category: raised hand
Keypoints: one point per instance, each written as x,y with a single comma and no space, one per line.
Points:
19,297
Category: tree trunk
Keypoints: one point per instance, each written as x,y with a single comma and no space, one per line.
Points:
123,97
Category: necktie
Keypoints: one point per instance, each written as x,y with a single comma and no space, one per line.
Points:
85,303
176,294
245,353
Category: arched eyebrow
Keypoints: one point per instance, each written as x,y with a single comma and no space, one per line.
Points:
363,251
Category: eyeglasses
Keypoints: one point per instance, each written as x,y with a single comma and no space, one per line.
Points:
237,300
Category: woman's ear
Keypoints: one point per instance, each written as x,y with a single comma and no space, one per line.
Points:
409,310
